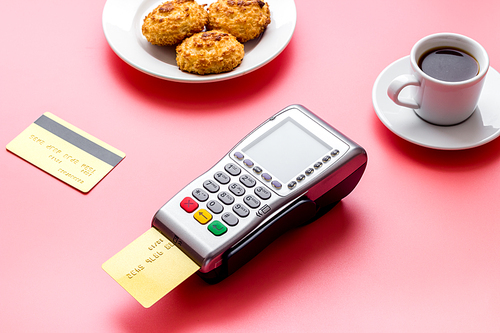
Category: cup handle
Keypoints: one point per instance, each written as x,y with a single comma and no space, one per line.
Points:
397,85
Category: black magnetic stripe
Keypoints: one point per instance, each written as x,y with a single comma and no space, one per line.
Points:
78,141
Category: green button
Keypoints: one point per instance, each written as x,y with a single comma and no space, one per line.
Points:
217,228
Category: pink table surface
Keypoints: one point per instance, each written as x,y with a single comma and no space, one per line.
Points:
415,247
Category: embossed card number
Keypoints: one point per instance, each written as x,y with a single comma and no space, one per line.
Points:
150,267
65,152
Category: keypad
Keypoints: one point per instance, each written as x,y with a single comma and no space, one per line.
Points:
230,219
237,189
215,207
241,210
202,216
211,186
251,201
200,195
189,205
222,177
217,228
232,169
218,195
247,180
225,197
262,192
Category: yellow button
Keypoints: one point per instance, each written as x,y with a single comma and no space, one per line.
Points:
202,216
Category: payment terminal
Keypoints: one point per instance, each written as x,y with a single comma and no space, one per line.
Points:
286,173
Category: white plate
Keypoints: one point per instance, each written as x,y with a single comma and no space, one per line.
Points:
482,127
122,22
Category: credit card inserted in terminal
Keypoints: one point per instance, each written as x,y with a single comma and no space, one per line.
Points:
288,172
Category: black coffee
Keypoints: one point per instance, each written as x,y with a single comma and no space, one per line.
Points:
448,64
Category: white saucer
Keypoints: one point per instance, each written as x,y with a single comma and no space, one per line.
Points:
122,22
482,127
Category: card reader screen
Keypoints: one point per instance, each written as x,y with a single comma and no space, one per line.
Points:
286,150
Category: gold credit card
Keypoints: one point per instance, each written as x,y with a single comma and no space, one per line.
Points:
65,152
150,267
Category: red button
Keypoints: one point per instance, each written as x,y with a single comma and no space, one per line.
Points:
189,205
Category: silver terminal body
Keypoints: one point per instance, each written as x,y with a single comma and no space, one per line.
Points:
291,155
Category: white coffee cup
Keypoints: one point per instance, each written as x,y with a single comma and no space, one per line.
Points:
436,101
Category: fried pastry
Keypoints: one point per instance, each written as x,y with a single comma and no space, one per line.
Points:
173,21
244,19
209,52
